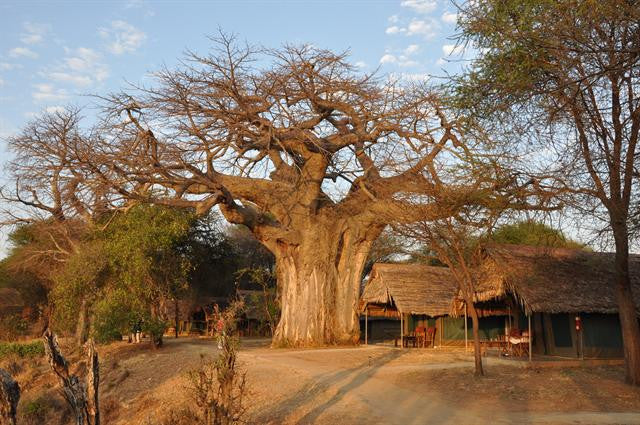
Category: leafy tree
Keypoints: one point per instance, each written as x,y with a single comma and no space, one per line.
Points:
567,74
533,233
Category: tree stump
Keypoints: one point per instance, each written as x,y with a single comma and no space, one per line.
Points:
9,397
82,397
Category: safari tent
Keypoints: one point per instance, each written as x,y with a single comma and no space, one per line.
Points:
397,298
560,290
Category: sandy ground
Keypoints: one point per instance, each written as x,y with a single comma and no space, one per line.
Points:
372,385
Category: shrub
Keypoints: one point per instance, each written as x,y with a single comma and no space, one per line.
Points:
28,349
155,327
113,316
34,411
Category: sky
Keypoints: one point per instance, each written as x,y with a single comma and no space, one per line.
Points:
58,53
62,53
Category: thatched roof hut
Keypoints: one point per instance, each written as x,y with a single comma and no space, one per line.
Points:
10,301
554,280
411,288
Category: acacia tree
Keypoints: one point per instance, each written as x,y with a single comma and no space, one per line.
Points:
459,238
569,71
309,155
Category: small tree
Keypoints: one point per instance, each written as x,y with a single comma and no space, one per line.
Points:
218,387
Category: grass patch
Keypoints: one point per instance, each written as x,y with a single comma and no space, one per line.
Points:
22,350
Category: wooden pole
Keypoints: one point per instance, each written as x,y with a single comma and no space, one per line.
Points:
466,342
366,326
401,332
530,336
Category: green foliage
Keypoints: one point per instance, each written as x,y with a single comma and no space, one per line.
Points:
535,234
114,314
21,349
82,276
142,248
155,327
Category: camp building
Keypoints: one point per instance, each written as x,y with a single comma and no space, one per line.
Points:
565,297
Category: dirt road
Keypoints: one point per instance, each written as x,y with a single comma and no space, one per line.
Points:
373,385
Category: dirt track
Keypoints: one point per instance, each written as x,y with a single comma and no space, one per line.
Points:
374,385
345,386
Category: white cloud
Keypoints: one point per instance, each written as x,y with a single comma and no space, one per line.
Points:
449,17
395,29
75,79
122,37
54,109
17,52
420,6
1,82
426,28
80,67
441,61
6,66
48,93
34,33
411,49
452,49
361,64
406,62
388,58
393,19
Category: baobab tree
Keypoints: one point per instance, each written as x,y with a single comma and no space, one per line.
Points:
314,158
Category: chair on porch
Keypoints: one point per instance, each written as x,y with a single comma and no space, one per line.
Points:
430,337
421,335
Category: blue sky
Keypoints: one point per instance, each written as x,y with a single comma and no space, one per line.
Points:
56,53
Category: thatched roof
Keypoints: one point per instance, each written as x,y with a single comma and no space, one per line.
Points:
555,280
412,288
10,300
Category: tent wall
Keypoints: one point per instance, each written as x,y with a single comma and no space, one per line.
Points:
601,336
380,329
490,328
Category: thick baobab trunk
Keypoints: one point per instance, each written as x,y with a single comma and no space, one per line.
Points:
477,350
626,306
319,282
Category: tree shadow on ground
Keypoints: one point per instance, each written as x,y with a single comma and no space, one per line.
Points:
356,376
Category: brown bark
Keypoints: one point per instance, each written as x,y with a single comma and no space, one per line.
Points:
320,284
477,349
626,307
9,397
82,397
82,327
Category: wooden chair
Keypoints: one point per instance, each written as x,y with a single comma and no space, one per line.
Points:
430,337
421,336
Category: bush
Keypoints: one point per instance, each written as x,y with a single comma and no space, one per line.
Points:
113,316
155,328
34,412
29,349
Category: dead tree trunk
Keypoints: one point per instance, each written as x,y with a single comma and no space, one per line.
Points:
319,282
9,397
93,382
82,327
82,397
